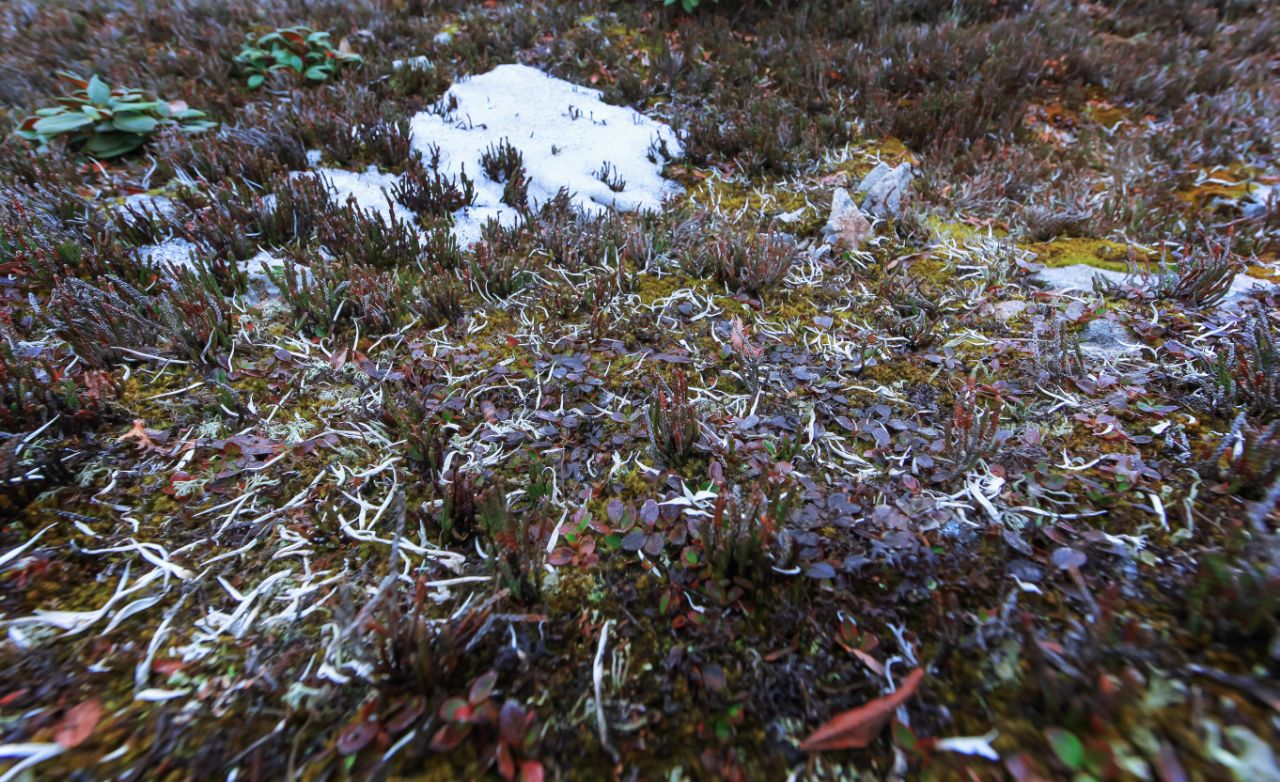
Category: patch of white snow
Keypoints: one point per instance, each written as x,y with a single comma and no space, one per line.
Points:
147,203
370,188
421,62
564,133
176,251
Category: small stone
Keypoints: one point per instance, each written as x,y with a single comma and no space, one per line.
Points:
1006,310
884,188
1077,277
873,176
847,226
1106,338
791,217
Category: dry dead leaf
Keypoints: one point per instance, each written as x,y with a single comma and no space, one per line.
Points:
79,723
856,728
140,436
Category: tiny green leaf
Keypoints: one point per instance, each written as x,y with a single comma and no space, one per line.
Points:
62,123
1067,747
98,90
135,123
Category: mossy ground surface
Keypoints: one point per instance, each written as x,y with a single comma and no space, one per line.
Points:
285,545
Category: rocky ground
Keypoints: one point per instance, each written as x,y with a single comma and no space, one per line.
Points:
793,390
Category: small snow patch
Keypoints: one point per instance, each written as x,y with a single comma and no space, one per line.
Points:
565,134
149,204
422,63
370,188
176,251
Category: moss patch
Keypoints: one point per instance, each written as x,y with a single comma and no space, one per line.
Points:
1098,253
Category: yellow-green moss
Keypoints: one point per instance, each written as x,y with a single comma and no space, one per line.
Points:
931,273
1231,183
768,200
1098,253
651,288
889,149
1268,273
959,231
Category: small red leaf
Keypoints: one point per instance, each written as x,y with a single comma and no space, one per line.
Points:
79,723
531,771
482,687
454,710
449,736
406,713
506,763
858,727
12,696
354,738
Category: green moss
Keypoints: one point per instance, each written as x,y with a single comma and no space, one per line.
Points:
765,200
1098,253
1231,183
958,231
889,149
932,273
899,372
1267,273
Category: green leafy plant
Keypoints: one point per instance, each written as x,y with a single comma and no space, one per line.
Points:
689,6
108,122
298,49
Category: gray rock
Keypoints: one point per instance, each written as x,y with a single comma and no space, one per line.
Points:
1104,338
1079,277
1076,277
1006,310
847,226
883,188
873,176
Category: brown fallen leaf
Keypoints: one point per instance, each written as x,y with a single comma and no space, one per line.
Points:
79,723
141,436
856,728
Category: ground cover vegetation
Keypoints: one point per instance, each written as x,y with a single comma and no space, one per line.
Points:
675,495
